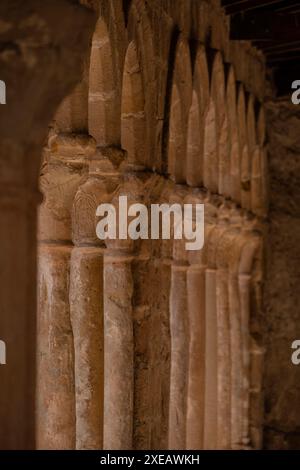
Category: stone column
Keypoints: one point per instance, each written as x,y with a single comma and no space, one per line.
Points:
211,338
151,332
64,170
236,347
223,327
86,297
179,331
196,370
179,357
250,274
217,391
256,404
118,327
118,353
244,288
159,337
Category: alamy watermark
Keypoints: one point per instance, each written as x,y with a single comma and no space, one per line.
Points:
134,221
2,352
2,92
296,354
296,94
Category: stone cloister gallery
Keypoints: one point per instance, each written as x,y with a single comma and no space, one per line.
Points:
122,344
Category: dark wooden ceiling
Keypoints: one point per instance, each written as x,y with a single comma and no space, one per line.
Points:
274,27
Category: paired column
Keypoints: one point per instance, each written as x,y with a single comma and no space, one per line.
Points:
87,299
118,328
64,170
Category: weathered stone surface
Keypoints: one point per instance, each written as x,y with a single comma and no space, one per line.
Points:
281,298
56,392
142,344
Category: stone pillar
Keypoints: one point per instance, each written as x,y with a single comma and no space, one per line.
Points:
159,337
64,170
211,338
118,327
211,362
56,399
250,275
236,347
217,386
179,357
196,370
151,276
179,331
256,404
244,288
118,355
223,327
86,298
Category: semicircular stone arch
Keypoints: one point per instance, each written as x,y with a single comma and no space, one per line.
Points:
139,31
216,128
104,101
180,105
219,95
133,119
244,148
234,173
195,135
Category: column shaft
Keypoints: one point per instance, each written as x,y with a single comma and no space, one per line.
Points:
118,353
224,365
56,393
195,398
211,362
86,307
179,358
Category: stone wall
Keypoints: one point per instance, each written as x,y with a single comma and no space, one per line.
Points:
282,315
